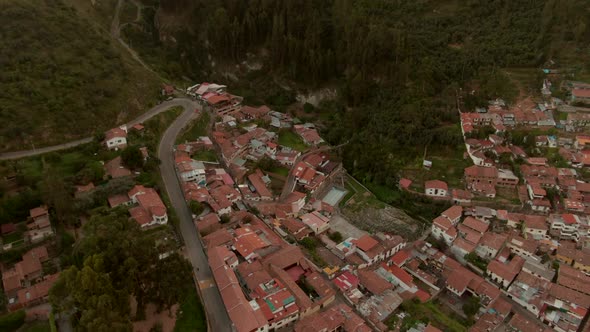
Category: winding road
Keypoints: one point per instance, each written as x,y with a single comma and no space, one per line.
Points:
218,319
142,118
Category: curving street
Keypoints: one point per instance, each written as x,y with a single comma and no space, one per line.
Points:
142,118
217,316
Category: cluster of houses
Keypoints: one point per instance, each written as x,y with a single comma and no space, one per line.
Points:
518,260
499,117
266,281
145,204
26,284
536,253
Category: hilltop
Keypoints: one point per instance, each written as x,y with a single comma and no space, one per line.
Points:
63,77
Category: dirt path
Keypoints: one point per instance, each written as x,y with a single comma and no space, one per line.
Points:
116,33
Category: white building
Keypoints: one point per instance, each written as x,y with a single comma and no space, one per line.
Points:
436,188
191,170
442,229
116,138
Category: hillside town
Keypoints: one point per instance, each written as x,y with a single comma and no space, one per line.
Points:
265,191
277,256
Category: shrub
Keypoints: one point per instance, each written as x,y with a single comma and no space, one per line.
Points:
12,321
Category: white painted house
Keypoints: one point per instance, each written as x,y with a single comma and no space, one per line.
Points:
436,188
116,138
191,170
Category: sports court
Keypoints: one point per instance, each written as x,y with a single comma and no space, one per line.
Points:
334,196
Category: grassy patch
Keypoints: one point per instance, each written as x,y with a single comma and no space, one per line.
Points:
429,312
562,116
9,238
12,321
79,84
191,316
280,171
447,165
37,326
196,129
292,140
351,192
205,155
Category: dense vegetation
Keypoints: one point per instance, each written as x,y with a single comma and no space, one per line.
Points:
119,261
398,66
61,77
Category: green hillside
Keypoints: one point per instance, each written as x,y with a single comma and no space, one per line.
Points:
62,76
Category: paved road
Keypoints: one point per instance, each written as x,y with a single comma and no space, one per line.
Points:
217,316
142,118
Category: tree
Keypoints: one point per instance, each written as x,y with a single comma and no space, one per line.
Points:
309,243
196,207
90,295
471,307
120,260
336,237
132,157
170,281
56,192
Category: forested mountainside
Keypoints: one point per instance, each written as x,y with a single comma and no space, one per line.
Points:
61,77
398,65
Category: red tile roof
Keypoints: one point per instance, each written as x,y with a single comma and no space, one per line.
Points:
114,133
436,184
480,171
569,295
493,240
346,281
11,280
339,316
219,237
36,292
373,282
522,323
535,222
115,168
454,212
259,185
243,316
476,224
38,211
400,274
365,243
117,200
430,328
247,242
506,271
400,257
216,99
285,257
7,228
405,183
581,93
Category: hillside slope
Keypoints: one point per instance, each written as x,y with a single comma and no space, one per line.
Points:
62,77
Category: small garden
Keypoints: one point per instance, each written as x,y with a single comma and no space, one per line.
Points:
428,312
290,139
